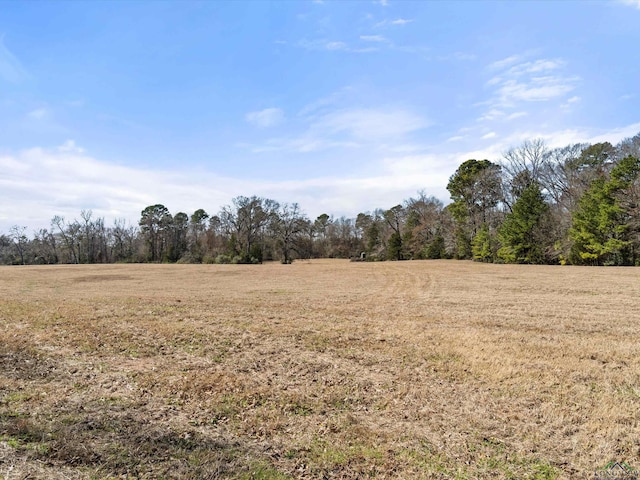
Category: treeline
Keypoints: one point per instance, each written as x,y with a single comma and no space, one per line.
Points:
579,204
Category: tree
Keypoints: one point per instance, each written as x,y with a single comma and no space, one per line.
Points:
69,234
177,229
44,247
625,186
20,240
197,228
423,226
476,190
372,236
288,225
125,238
153,223
483,246
522,167
604,227
395,218
321,227
246,220
521,233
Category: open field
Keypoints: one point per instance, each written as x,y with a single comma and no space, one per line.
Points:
322,369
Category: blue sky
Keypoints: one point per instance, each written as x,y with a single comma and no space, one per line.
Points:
341,106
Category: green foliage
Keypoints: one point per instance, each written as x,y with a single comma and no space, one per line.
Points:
436,249
520,232
601,225
482,246
475,189
394,249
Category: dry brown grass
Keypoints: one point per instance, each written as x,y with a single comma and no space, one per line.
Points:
323,369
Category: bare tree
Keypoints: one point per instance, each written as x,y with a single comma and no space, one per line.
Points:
522,167
246,221
288,226
69,234
20,240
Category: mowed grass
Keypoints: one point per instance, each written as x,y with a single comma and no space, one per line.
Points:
321,369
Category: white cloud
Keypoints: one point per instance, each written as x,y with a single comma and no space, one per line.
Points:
401,21
631,3
542,65
70,147
38,114
515,82
489,135
332,46
492,114
536,89
505,62
396,22
373,38
39,183
369,123
570,101
515,115
269,117
347,128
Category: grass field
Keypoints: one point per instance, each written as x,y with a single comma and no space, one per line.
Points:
321,369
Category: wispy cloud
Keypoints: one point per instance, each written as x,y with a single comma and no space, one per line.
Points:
571,101
70,146
332,46
515,81
631,3
373,38
11,70
347,128
492,114
370,123
38,114
536,89
269,117
394,22
505,62
489,135
461,56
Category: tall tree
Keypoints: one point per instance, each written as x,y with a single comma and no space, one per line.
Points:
476,190
288,226
197,229
395,218
521,234
20,241
153,223
246,220
69,234
423,226
605,225
177,230
521,167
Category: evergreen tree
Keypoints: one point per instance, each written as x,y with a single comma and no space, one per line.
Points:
521,233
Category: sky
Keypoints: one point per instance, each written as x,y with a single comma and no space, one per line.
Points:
340,106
